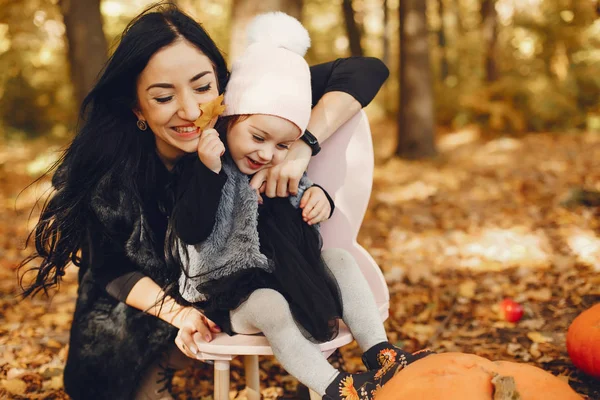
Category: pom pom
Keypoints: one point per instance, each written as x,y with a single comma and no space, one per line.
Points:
279,30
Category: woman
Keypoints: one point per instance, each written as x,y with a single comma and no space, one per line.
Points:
114,190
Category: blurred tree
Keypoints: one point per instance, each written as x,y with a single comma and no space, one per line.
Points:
459,21
386,32
35,89
549,83
21,111
87,44
442,43
352,28
416,120
242,12
489,22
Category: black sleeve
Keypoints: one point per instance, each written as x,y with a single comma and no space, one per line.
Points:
113,271
113,215
360,77
111,268
120,287
331,203
198,196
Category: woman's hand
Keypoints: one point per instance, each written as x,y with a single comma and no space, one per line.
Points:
283,179
315,206
192,323
210,150
188,320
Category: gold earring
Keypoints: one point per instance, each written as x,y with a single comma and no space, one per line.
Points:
142,125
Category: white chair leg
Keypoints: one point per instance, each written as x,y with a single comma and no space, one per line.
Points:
221,380
252,377
314,395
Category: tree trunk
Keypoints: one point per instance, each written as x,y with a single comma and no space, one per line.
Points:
352,29
416,121
490,35
441,34
87,44
389,96
460,27
243,11
386,33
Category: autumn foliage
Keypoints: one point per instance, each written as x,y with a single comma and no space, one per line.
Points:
485,221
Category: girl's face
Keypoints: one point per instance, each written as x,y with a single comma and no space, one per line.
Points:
176,80
260,141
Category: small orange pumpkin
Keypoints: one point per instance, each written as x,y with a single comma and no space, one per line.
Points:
461,376
583,341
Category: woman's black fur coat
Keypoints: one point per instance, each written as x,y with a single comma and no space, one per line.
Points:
112,343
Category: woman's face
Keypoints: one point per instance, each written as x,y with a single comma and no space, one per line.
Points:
260,141
176,80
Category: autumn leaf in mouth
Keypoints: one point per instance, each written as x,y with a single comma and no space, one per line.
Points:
210,110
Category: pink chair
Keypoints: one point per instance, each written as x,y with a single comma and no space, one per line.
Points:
345,168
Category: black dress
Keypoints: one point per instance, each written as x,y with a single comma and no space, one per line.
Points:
293,246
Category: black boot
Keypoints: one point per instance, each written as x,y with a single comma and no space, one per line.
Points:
360,386
384,354
347,386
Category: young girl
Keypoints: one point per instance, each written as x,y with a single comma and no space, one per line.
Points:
258,267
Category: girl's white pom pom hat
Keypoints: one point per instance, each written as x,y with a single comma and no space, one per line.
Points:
271,76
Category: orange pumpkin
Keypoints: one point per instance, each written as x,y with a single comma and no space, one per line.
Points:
461,376
583,341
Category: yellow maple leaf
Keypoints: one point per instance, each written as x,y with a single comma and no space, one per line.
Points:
210,110
14,386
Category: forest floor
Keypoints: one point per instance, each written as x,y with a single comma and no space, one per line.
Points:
488,218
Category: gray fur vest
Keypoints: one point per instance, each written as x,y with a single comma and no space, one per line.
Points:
233,244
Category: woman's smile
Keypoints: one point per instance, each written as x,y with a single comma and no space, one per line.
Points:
186,132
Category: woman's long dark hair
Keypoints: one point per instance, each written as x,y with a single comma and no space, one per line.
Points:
108,149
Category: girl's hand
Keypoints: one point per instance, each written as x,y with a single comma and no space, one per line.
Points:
282,180
192,323
315,206
210,150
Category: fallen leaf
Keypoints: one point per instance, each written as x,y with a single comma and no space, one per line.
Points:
538,337
14,386
467,289
15,373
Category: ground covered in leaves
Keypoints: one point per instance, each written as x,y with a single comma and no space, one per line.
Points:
485,220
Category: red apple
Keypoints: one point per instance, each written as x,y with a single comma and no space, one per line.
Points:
511,310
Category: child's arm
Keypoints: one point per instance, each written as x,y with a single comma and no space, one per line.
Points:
316,204
210,150
198,196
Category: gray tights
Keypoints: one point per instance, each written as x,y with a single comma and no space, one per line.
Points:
267,311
